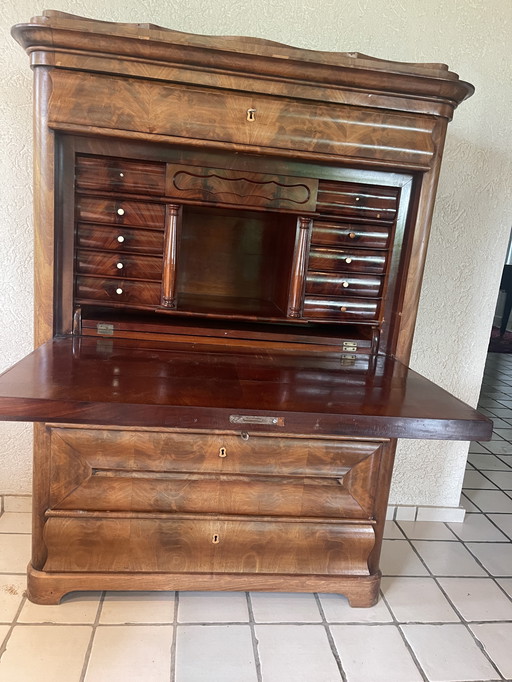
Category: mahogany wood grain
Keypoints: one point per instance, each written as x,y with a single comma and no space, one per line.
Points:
346,234
119,175
120,239
169,275
229,187
157,489
346,260
205,545
118,265
339,308
71,380
49,588
342,284
120,212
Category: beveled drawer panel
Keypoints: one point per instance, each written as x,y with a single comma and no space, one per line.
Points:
356,200
207,545
120,212
214,453
353,309
118,290
107,469
120,239
346,260
116,265
120,175
324,284
342,234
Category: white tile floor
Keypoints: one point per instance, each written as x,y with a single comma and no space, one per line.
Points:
445,614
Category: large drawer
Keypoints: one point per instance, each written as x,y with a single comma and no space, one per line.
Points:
206,545
346,260
346,234
120,175
118,265
120,212
120,239
118,291
107,469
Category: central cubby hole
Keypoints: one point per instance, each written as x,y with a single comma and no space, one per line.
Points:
235,262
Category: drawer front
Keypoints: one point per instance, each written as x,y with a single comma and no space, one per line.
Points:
339,234
120,239
346,260
356,200
323,284
206,546
105,469
116,265
118,291
120,212
353,309
120,175
223,186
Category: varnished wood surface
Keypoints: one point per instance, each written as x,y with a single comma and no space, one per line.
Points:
49,588
109,381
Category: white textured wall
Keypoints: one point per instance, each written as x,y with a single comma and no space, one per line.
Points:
473,213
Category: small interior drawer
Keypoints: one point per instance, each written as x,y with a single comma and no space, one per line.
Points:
356,200
349,284
120,175
120,212
346,260
118,290
343,234
334,308
120,239
118,265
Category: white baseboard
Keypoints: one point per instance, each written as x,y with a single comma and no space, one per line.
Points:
424,513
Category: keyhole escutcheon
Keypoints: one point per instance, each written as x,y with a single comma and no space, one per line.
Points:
251,114
215,539
223,452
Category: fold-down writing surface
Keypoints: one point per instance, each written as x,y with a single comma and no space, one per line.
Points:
110,381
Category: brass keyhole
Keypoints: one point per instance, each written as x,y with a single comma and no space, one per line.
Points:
223,452
251,114
215,539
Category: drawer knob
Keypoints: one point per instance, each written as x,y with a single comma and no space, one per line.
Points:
223,452
378,215
358,198
344,284
120,211
119,266
352,235
348,260
119,290
215,539
120,239
121,175
343,309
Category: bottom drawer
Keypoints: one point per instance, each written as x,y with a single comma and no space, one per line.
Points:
206,545
363,309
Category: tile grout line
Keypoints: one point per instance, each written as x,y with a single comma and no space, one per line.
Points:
252,627
407,645
88,651
14,622
462,620
330,638
172,662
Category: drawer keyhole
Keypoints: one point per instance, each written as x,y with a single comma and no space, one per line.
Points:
223,452
251,114
215,539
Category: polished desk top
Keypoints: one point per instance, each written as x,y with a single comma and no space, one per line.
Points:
150,384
